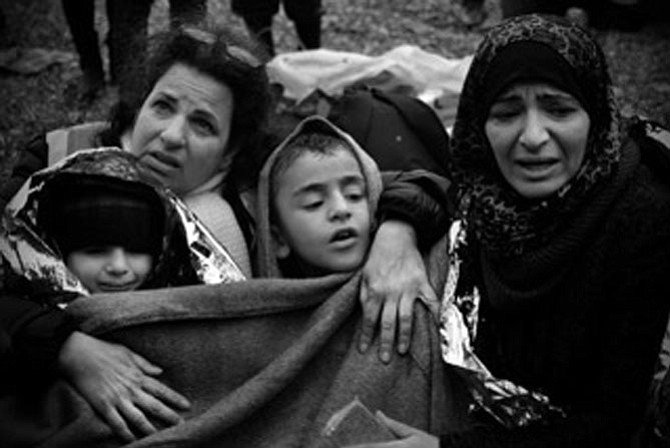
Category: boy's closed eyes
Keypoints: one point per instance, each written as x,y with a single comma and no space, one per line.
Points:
315,195
322,211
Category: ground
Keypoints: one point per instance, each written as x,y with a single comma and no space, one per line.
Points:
30,105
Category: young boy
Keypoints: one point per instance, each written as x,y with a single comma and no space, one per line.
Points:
318,192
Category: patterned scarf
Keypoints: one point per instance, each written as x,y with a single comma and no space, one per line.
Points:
504,222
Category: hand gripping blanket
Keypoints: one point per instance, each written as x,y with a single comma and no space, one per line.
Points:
265,363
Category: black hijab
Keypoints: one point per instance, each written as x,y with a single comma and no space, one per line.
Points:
532,48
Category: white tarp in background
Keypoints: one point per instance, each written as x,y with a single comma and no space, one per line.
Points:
432,78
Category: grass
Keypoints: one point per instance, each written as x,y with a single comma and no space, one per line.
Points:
31,105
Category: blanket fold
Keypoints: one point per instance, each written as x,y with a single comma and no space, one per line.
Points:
265,363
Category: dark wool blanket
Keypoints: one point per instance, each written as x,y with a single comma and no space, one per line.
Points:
265,363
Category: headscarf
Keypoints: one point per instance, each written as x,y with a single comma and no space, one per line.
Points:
266,256
523,248
504,221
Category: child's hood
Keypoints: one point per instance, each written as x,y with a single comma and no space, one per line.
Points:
31,258
265,255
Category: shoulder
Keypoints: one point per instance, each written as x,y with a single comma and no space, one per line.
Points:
649,186
645,200
638,220
653,142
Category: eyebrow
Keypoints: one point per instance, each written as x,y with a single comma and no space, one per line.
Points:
310,188
198,112
558,97
352,179
317,187
512,96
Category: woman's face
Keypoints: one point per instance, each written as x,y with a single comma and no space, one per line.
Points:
182,129
538,134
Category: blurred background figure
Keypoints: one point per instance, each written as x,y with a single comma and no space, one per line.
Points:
126,39
258,16
3,22
80,17
622,15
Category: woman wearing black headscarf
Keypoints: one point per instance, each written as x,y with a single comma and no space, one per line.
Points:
561,245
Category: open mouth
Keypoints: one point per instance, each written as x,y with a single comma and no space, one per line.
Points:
343,235
536,165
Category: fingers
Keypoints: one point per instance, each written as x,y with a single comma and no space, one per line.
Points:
117,424
388,324
150,406
145,365
406,314
136,418
371,308
405,317
144,403
165,394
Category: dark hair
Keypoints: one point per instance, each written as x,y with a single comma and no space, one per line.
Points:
313,143
227,57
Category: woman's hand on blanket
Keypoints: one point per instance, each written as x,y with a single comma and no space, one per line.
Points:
408,437
394,276
120,385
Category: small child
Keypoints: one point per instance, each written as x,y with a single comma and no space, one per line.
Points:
92,224
108,231
318,193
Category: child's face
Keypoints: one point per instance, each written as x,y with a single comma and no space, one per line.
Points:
323,211
109,269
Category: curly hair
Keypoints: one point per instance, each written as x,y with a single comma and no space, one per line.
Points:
229,58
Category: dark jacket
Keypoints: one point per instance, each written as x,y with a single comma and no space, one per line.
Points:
31,336
589,340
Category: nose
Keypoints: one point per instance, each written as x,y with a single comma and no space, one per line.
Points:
534,133
339,209
173,134
117,262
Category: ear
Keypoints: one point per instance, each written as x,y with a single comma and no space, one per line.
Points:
281,248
